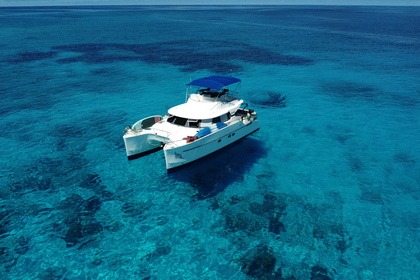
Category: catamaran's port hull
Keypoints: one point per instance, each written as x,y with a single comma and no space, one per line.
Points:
137,145
177,156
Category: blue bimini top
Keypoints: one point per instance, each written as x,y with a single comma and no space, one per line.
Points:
214,82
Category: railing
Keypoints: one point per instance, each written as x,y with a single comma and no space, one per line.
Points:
146,123
164,131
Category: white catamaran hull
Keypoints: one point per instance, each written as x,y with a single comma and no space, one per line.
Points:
176,156
140,143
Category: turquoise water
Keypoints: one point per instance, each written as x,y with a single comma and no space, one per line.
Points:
328,188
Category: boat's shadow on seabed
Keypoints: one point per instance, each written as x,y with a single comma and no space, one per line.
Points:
212,174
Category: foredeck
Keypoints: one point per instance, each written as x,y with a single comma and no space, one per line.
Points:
173,132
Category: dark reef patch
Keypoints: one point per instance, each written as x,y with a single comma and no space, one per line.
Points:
30,184
7,259
342,245
266,175
240,215
68,131
160,251
5,219
343,138
189,57
309,130
259,263
269,99
334,236
356,165
404,159
105,71
350,90
341,134
319,272
29,94
78,229
92,205
135,209
53,272
410,188
26,57
241,221
92,181
407,102
79,224
327,226
275,225
272,209
371,195
21,245
12,246
272,205
39,175
235,199
75,204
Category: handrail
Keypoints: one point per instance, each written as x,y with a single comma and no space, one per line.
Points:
153,119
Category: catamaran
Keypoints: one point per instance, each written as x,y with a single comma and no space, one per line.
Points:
210,119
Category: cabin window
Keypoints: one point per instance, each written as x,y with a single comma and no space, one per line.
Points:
222,118
177,120
205,122
180,121
171,119
225,117
194,123
240,112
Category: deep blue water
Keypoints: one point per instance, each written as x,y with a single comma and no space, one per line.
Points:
329,187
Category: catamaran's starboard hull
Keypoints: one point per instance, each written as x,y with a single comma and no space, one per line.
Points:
177,156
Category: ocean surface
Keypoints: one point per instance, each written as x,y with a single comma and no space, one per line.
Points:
328,188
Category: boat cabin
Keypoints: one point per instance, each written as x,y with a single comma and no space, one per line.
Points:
198,122
208,105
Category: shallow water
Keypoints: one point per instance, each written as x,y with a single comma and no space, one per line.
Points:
328,188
